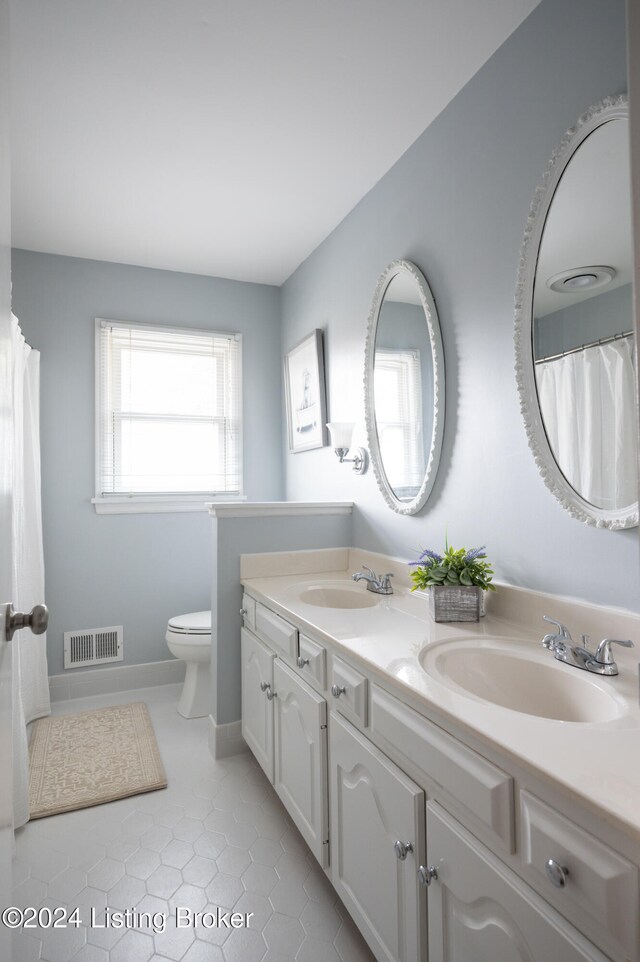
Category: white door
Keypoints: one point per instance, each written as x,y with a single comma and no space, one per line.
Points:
300,717
257,707
6,468
377,844
480,911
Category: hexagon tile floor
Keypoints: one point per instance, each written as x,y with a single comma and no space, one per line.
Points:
217,836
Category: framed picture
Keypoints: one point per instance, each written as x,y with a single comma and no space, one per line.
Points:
305,394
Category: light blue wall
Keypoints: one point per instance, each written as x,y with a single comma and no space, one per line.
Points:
595,317
456,204
233,537
135,570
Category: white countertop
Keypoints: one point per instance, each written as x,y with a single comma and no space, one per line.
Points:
597,761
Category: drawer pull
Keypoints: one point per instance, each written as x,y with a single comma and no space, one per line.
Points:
426,875
302,661
337,690
271,694
402,849
556,873
243,612
264,685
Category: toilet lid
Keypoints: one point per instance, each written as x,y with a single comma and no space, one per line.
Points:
195,623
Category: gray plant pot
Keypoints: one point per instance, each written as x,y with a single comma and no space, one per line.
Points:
455,603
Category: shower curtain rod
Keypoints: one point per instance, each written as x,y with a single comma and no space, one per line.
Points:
583,347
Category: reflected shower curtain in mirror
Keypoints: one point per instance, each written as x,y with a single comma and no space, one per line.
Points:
30,676
588,404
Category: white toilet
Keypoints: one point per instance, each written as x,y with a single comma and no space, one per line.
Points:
189,638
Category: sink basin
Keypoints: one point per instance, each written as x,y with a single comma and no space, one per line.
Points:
334,596
522,677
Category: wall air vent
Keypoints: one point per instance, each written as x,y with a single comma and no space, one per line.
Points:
95,646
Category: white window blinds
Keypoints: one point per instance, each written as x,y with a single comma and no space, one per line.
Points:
398,404
169,411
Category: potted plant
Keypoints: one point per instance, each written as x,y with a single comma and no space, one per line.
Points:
456,581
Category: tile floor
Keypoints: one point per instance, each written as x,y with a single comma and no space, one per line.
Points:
217,836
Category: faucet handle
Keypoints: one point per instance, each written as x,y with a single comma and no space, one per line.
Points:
550,640
372,573
604,655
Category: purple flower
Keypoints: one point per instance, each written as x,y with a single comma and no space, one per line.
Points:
431,555
474,553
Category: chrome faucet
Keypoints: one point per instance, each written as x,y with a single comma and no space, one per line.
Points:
578,656
381,586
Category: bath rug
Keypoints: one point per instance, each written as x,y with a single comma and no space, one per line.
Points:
76,761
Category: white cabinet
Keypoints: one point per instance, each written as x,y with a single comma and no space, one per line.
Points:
377,844
300,751
479,911
284,723
257,711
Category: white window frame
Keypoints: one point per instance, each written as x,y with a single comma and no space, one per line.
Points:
161,502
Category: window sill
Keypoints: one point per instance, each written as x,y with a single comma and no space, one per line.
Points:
159,505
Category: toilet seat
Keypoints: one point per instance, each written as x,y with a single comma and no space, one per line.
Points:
194,623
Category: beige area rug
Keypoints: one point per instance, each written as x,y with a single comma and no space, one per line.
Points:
76,761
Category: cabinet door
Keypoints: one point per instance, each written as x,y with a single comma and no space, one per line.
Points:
373,806
479,910
301,757
257,709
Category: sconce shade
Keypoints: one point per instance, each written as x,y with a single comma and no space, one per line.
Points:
341,433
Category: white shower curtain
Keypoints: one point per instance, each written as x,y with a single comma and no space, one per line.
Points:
588,404
30,676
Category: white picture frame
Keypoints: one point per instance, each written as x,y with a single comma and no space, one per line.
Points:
305,394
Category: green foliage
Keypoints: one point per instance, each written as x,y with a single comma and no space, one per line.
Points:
454,567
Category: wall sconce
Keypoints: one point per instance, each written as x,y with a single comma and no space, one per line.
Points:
341,434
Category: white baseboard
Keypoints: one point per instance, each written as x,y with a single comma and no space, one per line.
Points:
106,681
225,740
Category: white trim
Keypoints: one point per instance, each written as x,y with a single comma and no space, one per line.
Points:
627,517
106,681
437,356
278,509
147,505
226,740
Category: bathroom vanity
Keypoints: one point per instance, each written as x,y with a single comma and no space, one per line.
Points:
469,797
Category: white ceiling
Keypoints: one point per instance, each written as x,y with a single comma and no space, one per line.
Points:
224,137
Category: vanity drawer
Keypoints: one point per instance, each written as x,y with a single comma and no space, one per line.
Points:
483,791
352,702
600,893
248,611
276,631
312,660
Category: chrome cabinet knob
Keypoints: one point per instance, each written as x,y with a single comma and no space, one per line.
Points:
37,619
556,873
427,874
271,694
402,849
264,685
302,661
337,690
243,612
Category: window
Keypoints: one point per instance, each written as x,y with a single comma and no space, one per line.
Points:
398,394
168,413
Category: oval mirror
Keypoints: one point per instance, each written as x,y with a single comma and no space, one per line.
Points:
404,387
574,330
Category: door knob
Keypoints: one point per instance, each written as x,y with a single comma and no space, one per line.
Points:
402,849
37,619
426,874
